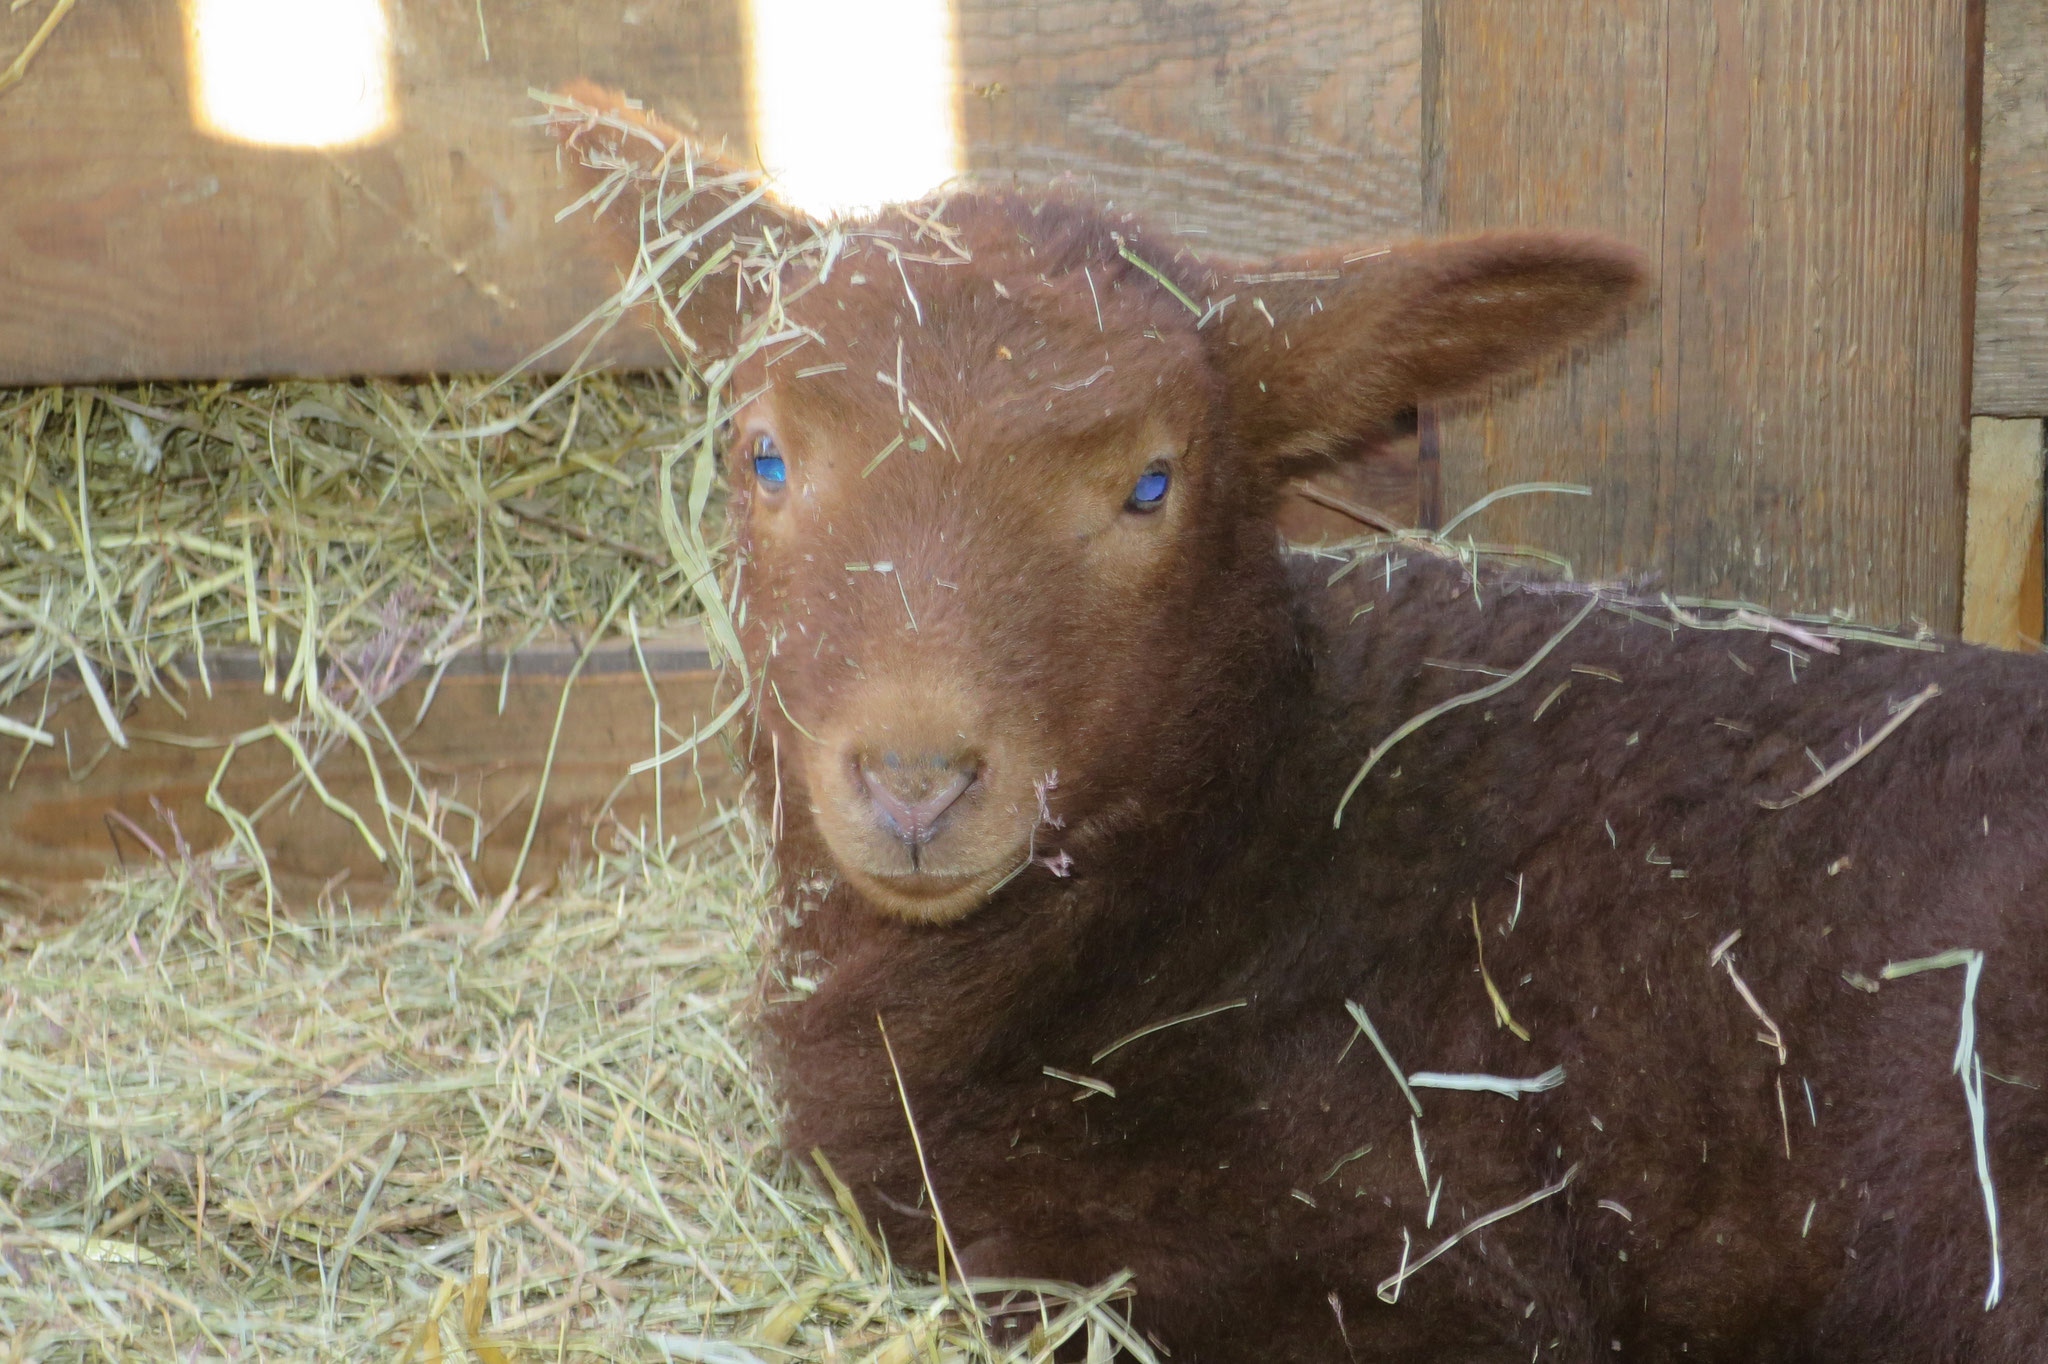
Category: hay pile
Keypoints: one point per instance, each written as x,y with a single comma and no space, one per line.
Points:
307,520
405,1133
431,1128
353,536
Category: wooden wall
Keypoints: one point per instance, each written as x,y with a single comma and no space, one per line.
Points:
76,809
1785,425
1789,424
1260,125
145,250
132,246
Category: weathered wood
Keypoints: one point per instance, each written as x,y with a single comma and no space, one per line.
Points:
1787,423
146,250
59,807
2002,601
1264,125
2011,377
132,246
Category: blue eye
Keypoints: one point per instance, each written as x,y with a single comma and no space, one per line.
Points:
1150,489
769,465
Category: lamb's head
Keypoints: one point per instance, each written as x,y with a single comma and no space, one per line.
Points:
1004,504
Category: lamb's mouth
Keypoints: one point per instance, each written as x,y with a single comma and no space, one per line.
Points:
927,897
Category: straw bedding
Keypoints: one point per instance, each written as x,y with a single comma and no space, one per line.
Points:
307,519
442,1127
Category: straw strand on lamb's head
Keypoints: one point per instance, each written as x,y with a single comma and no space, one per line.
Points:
674,208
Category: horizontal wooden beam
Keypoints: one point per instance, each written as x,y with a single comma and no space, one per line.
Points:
73,809
132,246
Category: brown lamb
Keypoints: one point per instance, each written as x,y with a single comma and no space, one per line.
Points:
1055,736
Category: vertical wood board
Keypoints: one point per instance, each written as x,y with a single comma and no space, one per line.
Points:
2011,372
2002,579
1785,422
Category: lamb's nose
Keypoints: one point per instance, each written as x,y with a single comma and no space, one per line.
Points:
913,794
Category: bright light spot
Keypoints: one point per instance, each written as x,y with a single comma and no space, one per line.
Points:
854,102
291,73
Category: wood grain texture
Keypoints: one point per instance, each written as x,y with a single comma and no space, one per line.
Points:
56,809
132,246
1263,125
2011,376
2002,592
1787,423
145,250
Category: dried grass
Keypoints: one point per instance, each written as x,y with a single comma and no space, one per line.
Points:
397,1133
310,519
12,73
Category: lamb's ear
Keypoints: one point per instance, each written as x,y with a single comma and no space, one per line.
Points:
647,181
1318,349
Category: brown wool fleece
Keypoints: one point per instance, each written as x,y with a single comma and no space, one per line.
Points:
1143,720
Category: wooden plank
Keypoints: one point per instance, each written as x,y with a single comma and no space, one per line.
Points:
1787,424
2002,587
1265,125
58,807
1555,123
132,246
143,249
2011,376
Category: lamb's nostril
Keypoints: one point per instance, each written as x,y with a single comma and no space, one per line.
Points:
913,797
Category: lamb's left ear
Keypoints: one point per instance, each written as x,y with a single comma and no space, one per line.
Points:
1320,348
